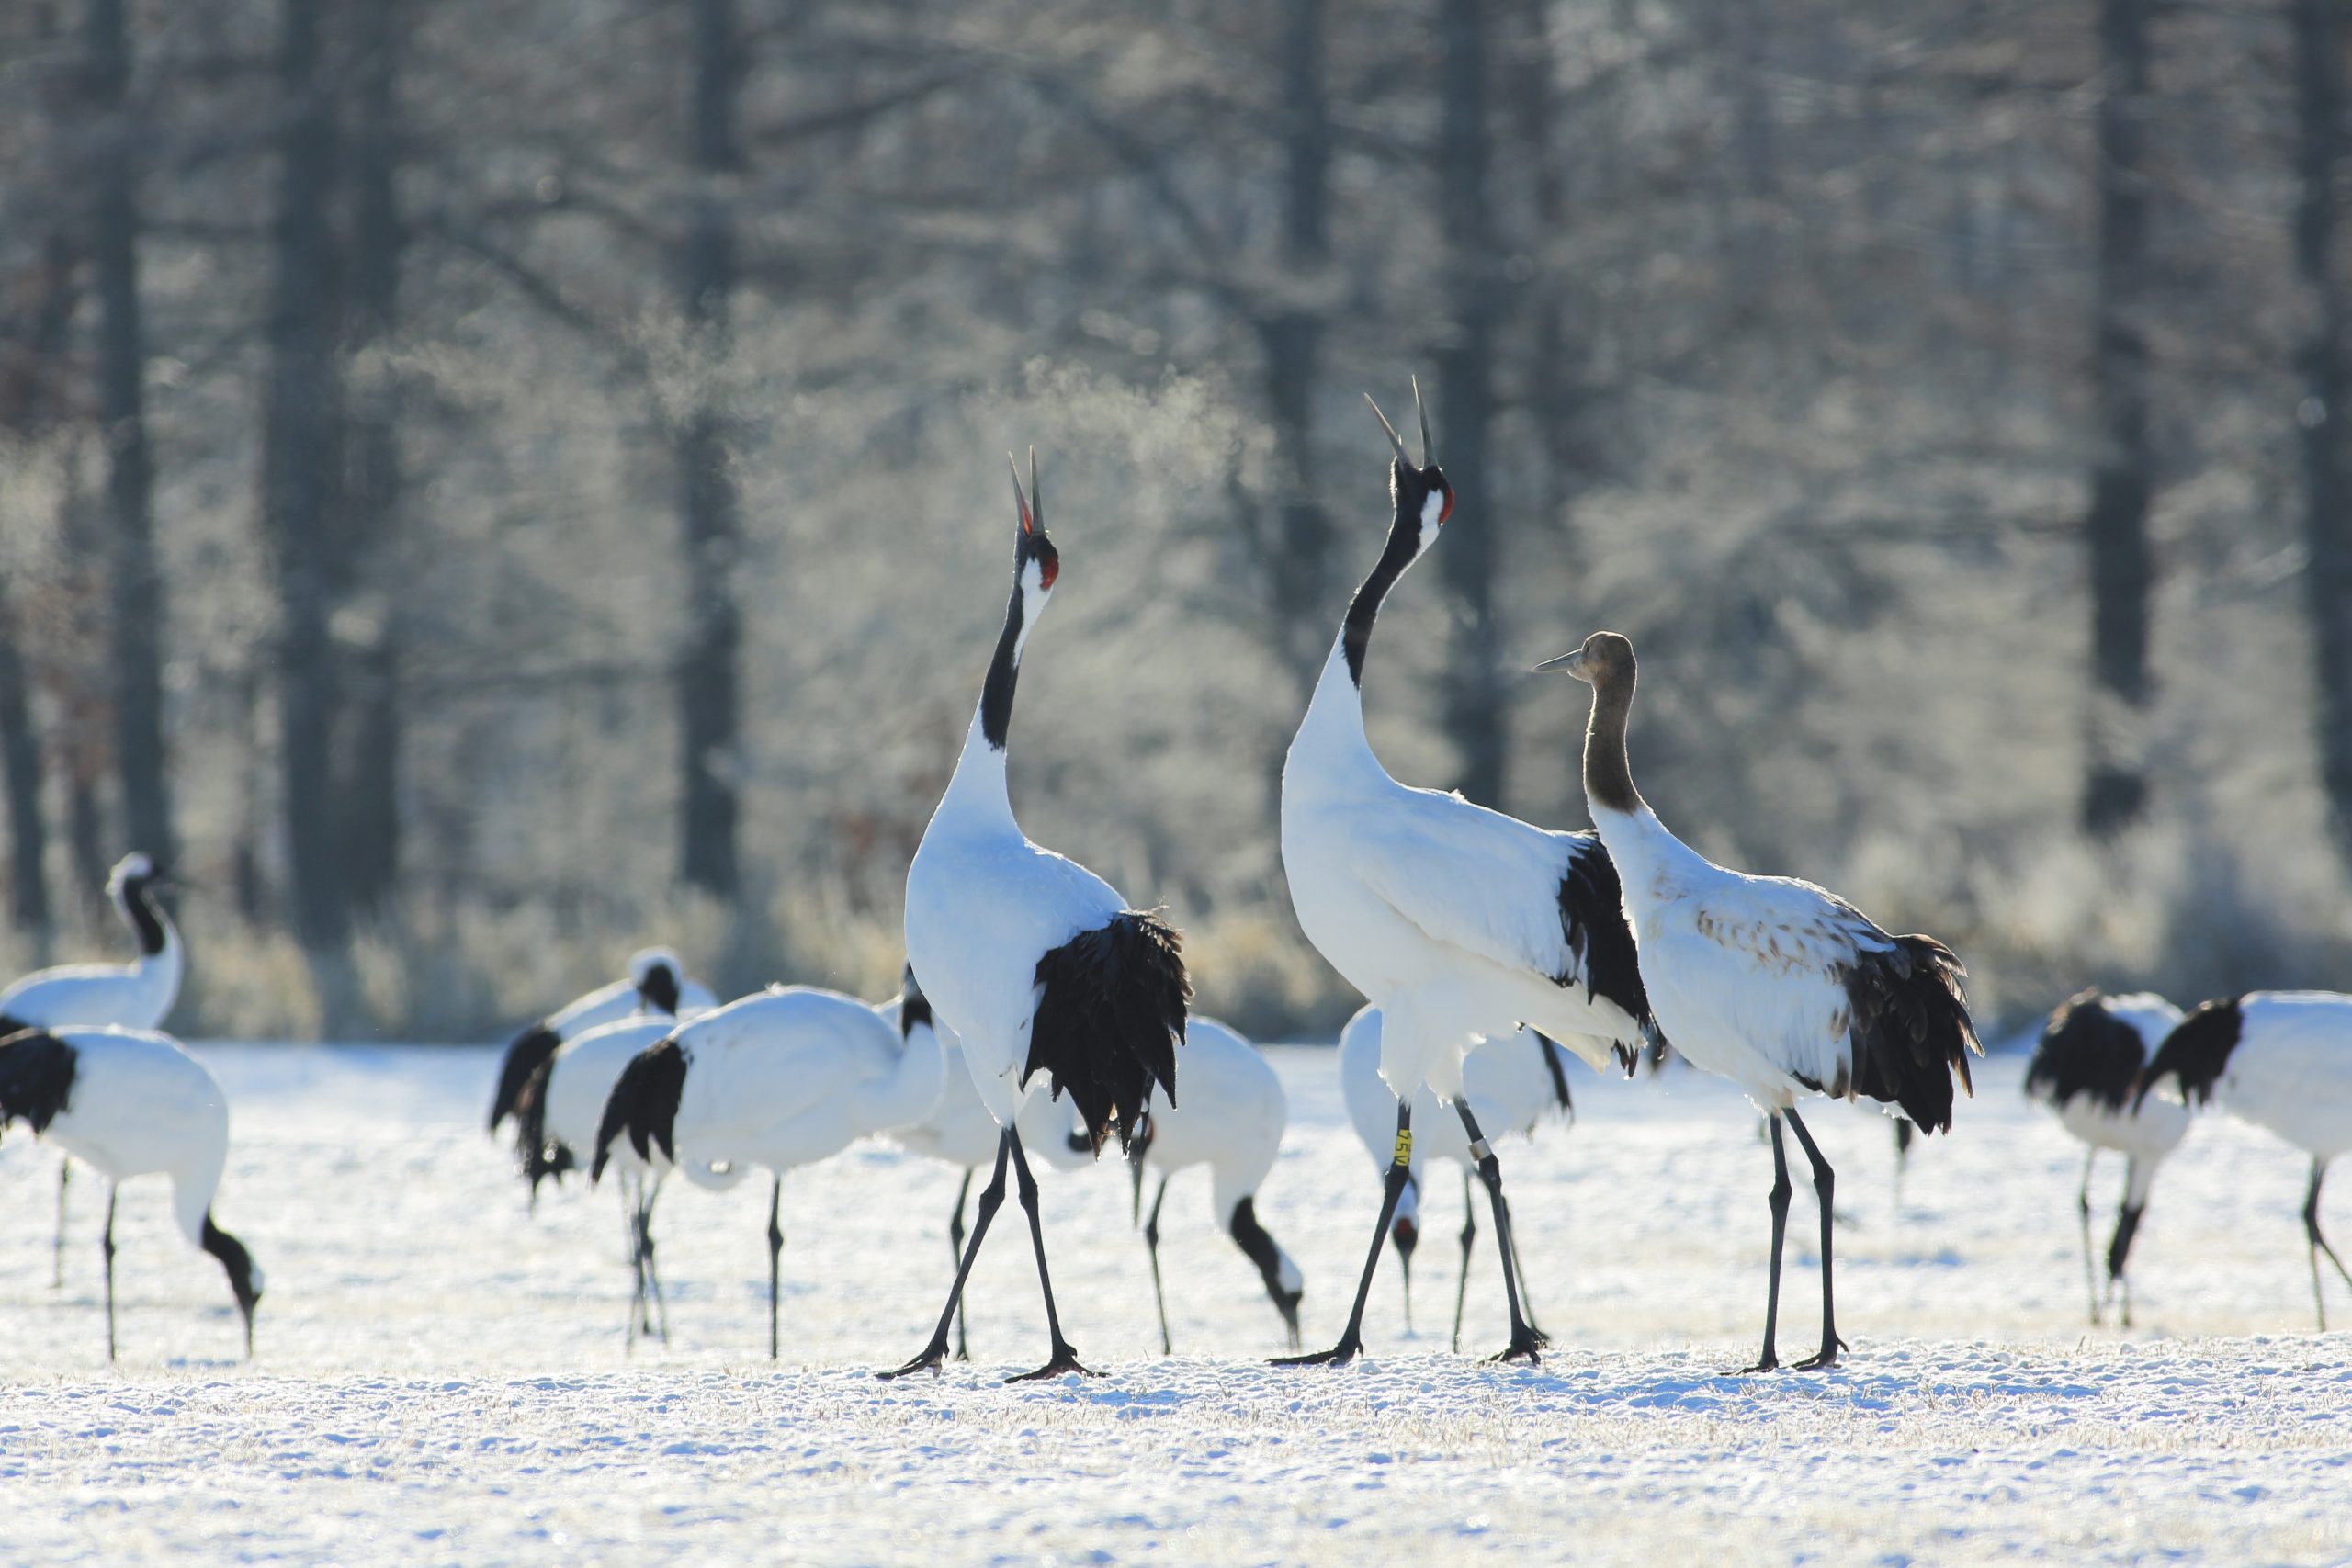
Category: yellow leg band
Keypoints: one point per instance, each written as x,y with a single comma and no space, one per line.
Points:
1404,1146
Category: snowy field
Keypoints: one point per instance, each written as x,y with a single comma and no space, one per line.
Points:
443,1378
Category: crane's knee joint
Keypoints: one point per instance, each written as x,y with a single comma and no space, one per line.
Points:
1490,1171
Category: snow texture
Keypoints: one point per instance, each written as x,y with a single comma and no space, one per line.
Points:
442,1378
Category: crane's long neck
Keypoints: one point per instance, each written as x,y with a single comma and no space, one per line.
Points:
1607,770
161,957
977,795
1334,720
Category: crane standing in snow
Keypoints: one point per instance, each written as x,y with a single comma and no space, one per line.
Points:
1455,921
2085,1069
1777,984
1035,963
137,995
2281,1060
132,1102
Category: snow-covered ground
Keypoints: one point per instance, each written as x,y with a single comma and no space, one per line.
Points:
443,1378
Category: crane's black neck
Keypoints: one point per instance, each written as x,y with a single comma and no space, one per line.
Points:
146,920
1404,545
1004,669
914,1008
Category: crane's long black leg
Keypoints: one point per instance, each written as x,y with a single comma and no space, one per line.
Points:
1401,1170
2118,1247
775,1258
1778,1200
106,1244
2083,1216
1064,1358
1825,1183
991,1199
1526,1296
648,1188
1524,1340
57,1252
1151,1240
955,1255
1903,1133
1469,1234
2318,1242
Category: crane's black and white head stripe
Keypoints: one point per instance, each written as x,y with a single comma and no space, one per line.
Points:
654,973
2086,1049
36,1077
644,1104
1111,1010
1604,957
131,886
1423,500
1036,564
2196,1052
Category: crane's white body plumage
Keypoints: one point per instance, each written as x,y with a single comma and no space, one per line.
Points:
957,1129
793,1074
1743,972
983,906
1444,914
142,1106
137,995
2292,1070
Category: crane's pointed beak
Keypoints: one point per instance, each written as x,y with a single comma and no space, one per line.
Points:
1572,662
1424,416
1398,446
1020,496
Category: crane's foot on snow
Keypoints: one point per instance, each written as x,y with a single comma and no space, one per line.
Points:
934,1355
1338,1355
1825,1357
1770,1363
1065,1360
1529,1342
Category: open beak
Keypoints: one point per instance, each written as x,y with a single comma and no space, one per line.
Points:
1573,662
1021,498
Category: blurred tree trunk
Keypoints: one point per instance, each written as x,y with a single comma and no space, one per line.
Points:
1550,385
300,464
708,681
369,793
2328,532
1292,337
21,759
1475,719
2122,570
136,612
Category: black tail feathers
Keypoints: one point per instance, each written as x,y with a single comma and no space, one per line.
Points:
527,1054
644,1103
36,1077
534,1156
1912,1035
2196,1051
1110,1016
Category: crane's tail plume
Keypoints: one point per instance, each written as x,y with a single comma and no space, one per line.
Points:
36,1077
533,1156
1110,1016
2196,1051
644,1104
525,1054
1912,1034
